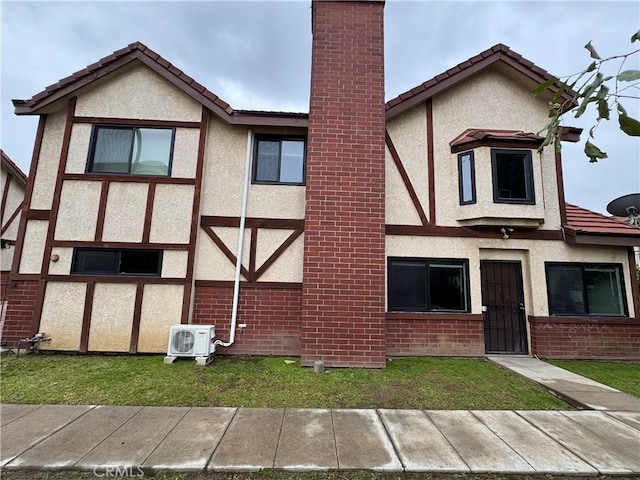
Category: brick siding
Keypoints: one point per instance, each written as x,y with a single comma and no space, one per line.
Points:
21,298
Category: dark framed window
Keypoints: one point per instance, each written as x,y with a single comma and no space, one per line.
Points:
512,172
428,285
106,261
131,150
586,289
466,178
279,160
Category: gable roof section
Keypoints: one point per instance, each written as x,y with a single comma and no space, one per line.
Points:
175,76
13,169
586,227
462,71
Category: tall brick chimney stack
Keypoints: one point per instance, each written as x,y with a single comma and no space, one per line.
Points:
343,293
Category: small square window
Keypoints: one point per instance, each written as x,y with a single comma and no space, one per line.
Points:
466,178
512,172
131,150
102,261
279,160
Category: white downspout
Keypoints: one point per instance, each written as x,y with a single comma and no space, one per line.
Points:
243,218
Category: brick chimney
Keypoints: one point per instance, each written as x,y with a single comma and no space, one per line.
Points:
343,293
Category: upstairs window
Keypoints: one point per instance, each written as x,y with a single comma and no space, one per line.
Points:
428,285
585,289
466,178
103,261
131,150
512,172
279,160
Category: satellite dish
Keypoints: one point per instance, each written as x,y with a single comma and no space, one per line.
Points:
626,206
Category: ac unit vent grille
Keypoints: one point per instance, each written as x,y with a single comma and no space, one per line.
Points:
183,341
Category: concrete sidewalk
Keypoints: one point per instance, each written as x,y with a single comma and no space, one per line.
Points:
98,438
574,389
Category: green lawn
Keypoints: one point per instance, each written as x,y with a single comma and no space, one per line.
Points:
424,383
623,376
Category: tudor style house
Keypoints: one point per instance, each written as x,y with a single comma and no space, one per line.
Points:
426,225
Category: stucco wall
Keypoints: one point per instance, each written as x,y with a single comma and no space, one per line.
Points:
62,313
35,237
489,100
161,308
125,212
172,211
78,212
137,92
47,171
15,196
111,317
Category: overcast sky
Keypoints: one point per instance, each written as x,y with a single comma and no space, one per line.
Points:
256,55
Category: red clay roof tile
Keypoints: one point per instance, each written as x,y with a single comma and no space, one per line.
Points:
583,221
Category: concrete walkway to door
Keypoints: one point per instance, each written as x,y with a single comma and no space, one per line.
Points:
572,388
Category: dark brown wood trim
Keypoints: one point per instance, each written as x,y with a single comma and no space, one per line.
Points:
405,178
497,143
224,249
252,254
102,210
467,232
5,196
37,313
272,223
581,238
127,178
114,279
279,251
560,184
635,288
38,214
25,277
15,213
435,316
138,122
137,314
86,318
84,244
35,157
431,163
148,213
585,320
195,213
231,284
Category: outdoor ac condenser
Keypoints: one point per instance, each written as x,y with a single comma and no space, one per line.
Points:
191,341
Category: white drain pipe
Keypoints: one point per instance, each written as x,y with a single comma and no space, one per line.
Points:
243,218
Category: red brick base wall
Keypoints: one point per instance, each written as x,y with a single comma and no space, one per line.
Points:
271,313
21,298
434,335
605,338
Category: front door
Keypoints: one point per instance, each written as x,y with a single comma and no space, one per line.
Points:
505,328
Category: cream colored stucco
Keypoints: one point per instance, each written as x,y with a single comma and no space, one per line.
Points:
35,237
185,153
111,317
137,92
48,161
174,263
211,263
409,136
288,266
6,258
489,100
78,148
78,212
172,212
161,308
125,212
532,253
13,202
62,313
63,265
224,178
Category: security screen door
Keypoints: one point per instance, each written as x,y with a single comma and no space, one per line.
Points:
505,328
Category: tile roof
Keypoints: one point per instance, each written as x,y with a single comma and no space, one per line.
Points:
13,168
581,221
497,53
140,52
472,136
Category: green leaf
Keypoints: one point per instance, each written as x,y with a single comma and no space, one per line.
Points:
542,87
591,67
603,92
603,109
587,94
635,37
629,76
559,93
629,125
592,51
593,152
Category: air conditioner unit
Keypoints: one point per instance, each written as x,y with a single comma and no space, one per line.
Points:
191,341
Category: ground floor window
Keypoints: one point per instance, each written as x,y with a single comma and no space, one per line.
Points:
585,289
104,261
428,284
